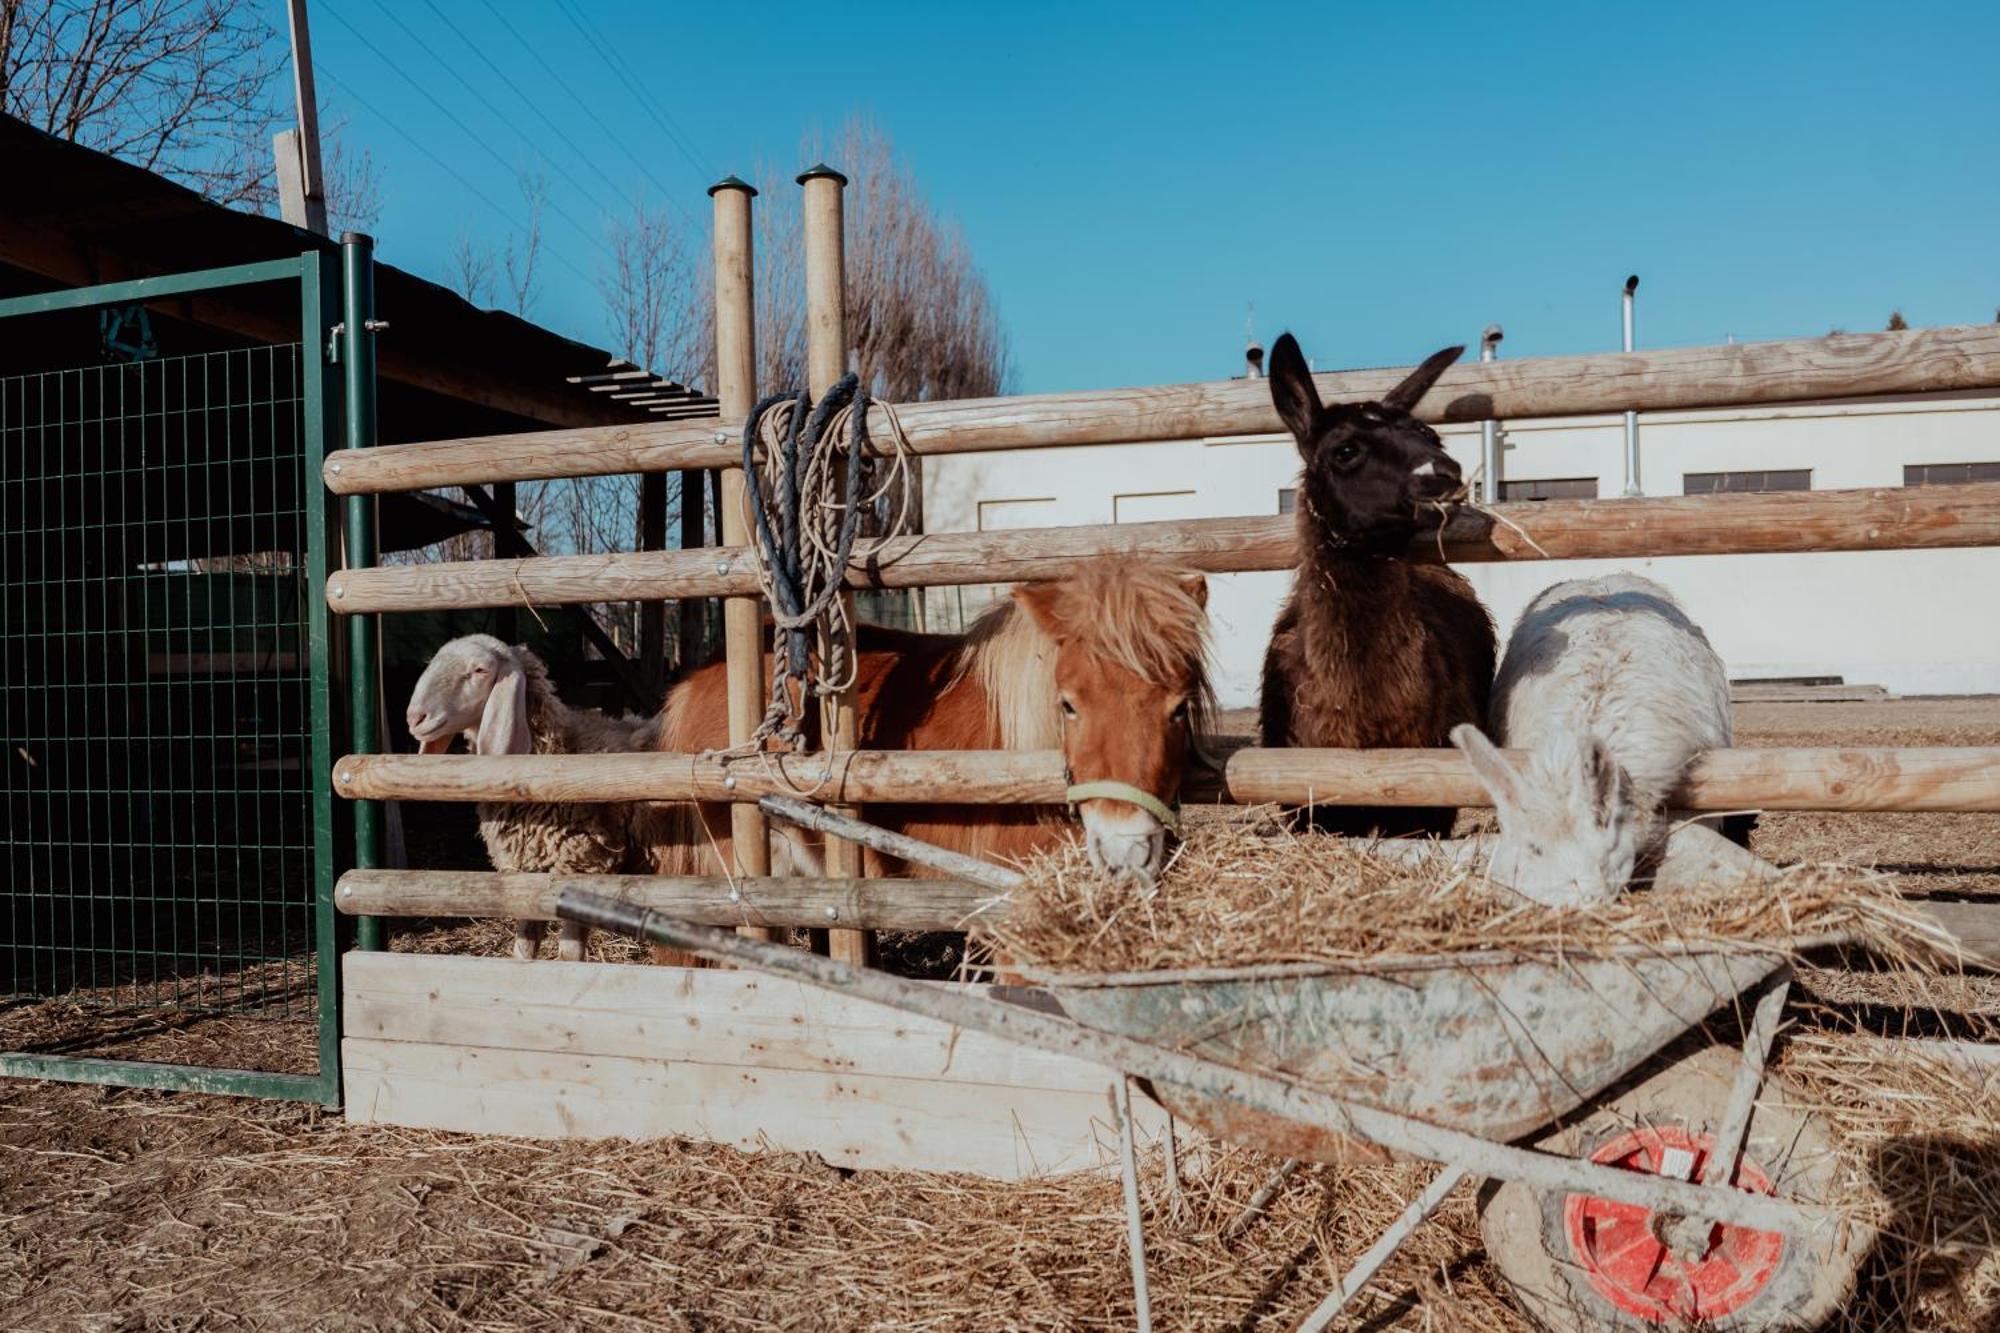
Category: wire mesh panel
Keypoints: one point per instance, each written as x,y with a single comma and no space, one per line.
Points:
162,879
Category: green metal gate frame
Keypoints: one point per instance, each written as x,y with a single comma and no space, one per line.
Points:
318,276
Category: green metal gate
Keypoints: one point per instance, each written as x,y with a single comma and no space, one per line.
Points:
166,914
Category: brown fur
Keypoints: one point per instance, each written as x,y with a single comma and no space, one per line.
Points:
1126,639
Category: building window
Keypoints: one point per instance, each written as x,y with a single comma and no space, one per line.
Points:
1288,500
1152,506
1028,512
1949,474
1743,483
1550,488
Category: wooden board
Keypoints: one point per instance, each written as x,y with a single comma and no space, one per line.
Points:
1963,778
482,1045
1734,374
1885,519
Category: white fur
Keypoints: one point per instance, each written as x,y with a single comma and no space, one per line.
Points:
500,699
1613,691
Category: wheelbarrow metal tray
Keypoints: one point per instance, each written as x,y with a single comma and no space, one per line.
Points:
1495,1044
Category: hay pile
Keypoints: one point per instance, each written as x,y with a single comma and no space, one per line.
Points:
131,1209
1249,890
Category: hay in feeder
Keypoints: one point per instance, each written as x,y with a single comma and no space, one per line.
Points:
1251,891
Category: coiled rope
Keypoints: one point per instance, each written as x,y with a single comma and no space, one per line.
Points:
806,515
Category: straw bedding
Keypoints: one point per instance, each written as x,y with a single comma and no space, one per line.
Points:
1247,890
141,1210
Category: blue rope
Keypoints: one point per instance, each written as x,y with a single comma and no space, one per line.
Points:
799,608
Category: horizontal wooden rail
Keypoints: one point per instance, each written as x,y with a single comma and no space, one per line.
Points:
1899,518
1948,778
1736,374
860,904
857,904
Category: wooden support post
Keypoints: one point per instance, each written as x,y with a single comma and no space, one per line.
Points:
653,611
736,390
826,362
694,535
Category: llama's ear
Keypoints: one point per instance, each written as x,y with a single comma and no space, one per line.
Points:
1489,765
1196,586
503,726
1405,396
1293,392
1608,783
1039,601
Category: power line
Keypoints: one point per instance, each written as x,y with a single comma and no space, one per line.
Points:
467,130
498,114
645,99
672,195
443,165
533,104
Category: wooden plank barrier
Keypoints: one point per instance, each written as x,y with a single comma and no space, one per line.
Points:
1942,778
1732,375
764,901
495,1046
1898,518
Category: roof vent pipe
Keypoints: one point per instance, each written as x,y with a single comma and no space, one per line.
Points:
1632,486
1489,429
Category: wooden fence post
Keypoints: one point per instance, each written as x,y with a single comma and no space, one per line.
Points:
736,392
826,362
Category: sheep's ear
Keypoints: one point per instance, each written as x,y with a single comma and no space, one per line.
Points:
1610,786
1404,396
1293,392
503,726
1489,765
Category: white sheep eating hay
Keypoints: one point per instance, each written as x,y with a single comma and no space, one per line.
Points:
1613,691
500,699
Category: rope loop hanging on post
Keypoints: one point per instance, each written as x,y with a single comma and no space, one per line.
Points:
806,511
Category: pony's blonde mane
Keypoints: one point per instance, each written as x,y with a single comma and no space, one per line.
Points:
1134,613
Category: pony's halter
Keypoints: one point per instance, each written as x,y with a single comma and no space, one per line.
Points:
1123,791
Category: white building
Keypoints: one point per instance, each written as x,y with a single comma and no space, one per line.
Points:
1917,622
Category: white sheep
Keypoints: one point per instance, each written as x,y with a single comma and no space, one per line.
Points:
500,699
1613,691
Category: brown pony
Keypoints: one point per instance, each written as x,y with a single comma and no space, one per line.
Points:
1108,665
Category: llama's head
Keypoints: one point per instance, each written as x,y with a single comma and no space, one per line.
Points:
1569,830
1374,475
475,684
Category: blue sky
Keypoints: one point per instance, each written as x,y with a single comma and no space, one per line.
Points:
1381,179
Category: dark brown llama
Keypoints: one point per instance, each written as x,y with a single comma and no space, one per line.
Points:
1372,649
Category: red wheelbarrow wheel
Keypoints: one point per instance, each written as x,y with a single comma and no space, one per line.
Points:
1580,1263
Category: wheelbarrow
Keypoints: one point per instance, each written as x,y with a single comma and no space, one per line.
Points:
1630,1188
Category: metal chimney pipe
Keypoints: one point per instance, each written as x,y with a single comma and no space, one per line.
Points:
1632,486
1489,430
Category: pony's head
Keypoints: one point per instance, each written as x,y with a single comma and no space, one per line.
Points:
1125,647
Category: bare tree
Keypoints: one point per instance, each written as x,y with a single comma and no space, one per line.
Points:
469,270
191,89
1897,323
180,87
519,263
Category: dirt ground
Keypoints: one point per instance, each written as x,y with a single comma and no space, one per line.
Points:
129,1210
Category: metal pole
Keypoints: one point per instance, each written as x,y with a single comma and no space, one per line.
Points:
1384,1249
1632,486
357,360
736,393
826,363
312,182
1135,1227
1489,430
